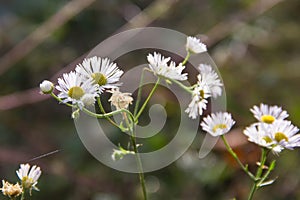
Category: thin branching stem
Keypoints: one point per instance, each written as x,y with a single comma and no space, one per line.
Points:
245,168
147,100
186,58
103,111
137,156
258,173
139,95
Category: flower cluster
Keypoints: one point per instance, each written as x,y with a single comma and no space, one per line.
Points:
81,87
208,85
94,76
272,130
28,180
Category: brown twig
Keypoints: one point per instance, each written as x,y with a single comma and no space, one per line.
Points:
23,48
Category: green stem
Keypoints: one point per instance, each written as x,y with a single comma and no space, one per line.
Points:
60,101
258,173
107,114
245,168
186,58
140,167
262,162
271,167
137,156
139,95
92,114
103,111
23,195
188,89
147,100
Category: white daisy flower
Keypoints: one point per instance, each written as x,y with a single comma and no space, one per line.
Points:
28,178
74,88
257,134
217,124
285,134
199,100
159,66
104,73
120,100
211,78
268,114
194,45
46,87
196,107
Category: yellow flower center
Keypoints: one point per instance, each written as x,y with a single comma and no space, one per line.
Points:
267,139
76,92
269,119
219,126
281,136
202,94
99,78
27,182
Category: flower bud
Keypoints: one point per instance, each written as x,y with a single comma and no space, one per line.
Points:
76,114
46,87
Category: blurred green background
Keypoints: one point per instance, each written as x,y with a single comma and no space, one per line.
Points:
255,44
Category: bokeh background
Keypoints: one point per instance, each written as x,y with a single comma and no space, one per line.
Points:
255,44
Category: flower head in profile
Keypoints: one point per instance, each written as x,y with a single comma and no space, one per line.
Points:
77,90
158,64
200,94
120,100
29,179
104,73
194,45
11,190
211,78
199,101
268,114
218,123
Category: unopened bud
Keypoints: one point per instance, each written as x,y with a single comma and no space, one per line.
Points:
46,87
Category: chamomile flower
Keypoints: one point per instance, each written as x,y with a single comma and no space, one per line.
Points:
194,45
259,135
104,73
268,114
11,190
211,78
285,134
28,178
158,64
74,88
218,123
199,100
120,100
